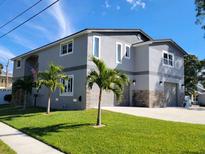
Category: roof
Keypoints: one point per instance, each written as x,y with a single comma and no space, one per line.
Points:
163,41
84,31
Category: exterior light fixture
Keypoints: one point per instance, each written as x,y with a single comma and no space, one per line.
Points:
134,82
160,83
182,85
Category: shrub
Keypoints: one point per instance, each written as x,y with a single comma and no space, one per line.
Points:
8,98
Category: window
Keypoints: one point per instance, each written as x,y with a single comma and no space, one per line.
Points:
96,46
68,86
168,59
18,64
118,52
66,48
127,51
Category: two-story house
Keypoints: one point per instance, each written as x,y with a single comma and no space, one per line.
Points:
5,80
154,67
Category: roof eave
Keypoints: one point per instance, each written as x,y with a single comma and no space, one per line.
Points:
162,41
84,31
50,44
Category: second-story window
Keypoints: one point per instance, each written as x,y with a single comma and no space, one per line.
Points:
18,64
66,48
168,59
96,46
118,52
127,51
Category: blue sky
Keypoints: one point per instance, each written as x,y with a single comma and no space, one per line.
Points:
159,18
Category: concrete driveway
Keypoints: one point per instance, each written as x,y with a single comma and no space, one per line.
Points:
195,114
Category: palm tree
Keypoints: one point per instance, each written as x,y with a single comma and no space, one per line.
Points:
26,85
1,68
51,79
106,79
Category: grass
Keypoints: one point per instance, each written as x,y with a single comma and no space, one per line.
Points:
4,149
72,132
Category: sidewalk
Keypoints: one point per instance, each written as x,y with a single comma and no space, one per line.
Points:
22,143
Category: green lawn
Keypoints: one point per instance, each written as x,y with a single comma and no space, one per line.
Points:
4,149
72,131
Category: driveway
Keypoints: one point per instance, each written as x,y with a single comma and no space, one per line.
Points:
195,114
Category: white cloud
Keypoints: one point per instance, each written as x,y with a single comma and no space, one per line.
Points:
136,3
46,33
25,42
117,7
107,5
62,19
5,55
38,27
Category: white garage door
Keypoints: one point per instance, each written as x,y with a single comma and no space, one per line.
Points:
170,92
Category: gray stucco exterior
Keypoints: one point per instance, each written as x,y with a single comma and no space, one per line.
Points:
144,68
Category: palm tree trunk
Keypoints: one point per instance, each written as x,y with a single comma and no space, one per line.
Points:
99,109
25,100
49,102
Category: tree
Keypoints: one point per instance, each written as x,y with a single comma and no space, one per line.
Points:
26,85
202,77
106,79
191,68
1,68
200,12
51,79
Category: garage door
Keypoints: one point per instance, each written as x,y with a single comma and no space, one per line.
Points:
170,92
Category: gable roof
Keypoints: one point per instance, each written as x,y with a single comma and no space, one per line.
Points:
163,41
85,31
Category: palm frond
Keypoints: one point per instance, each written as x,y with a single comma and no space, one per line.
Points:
92,78
107,79
51,78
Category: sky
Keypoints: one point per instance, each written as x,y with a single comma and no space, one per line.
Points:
160,19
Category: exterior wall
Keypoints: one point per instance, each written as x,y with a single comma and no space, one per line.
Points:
149,71
17,73
108,54
144,68
67,102
159,72
140,91
74,64
77,58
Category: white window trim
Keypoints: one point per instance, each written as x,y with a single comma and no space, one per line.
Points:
69,94
129,46
99,46
66,42
18,67
116,53
168,53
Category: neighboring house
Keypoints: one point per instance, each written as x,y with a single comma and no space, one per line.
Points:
5,88
154,67
201,89
3,81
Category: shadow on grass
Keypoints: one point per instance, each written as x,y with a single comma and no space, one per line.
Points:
189,152
8,112
41,131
